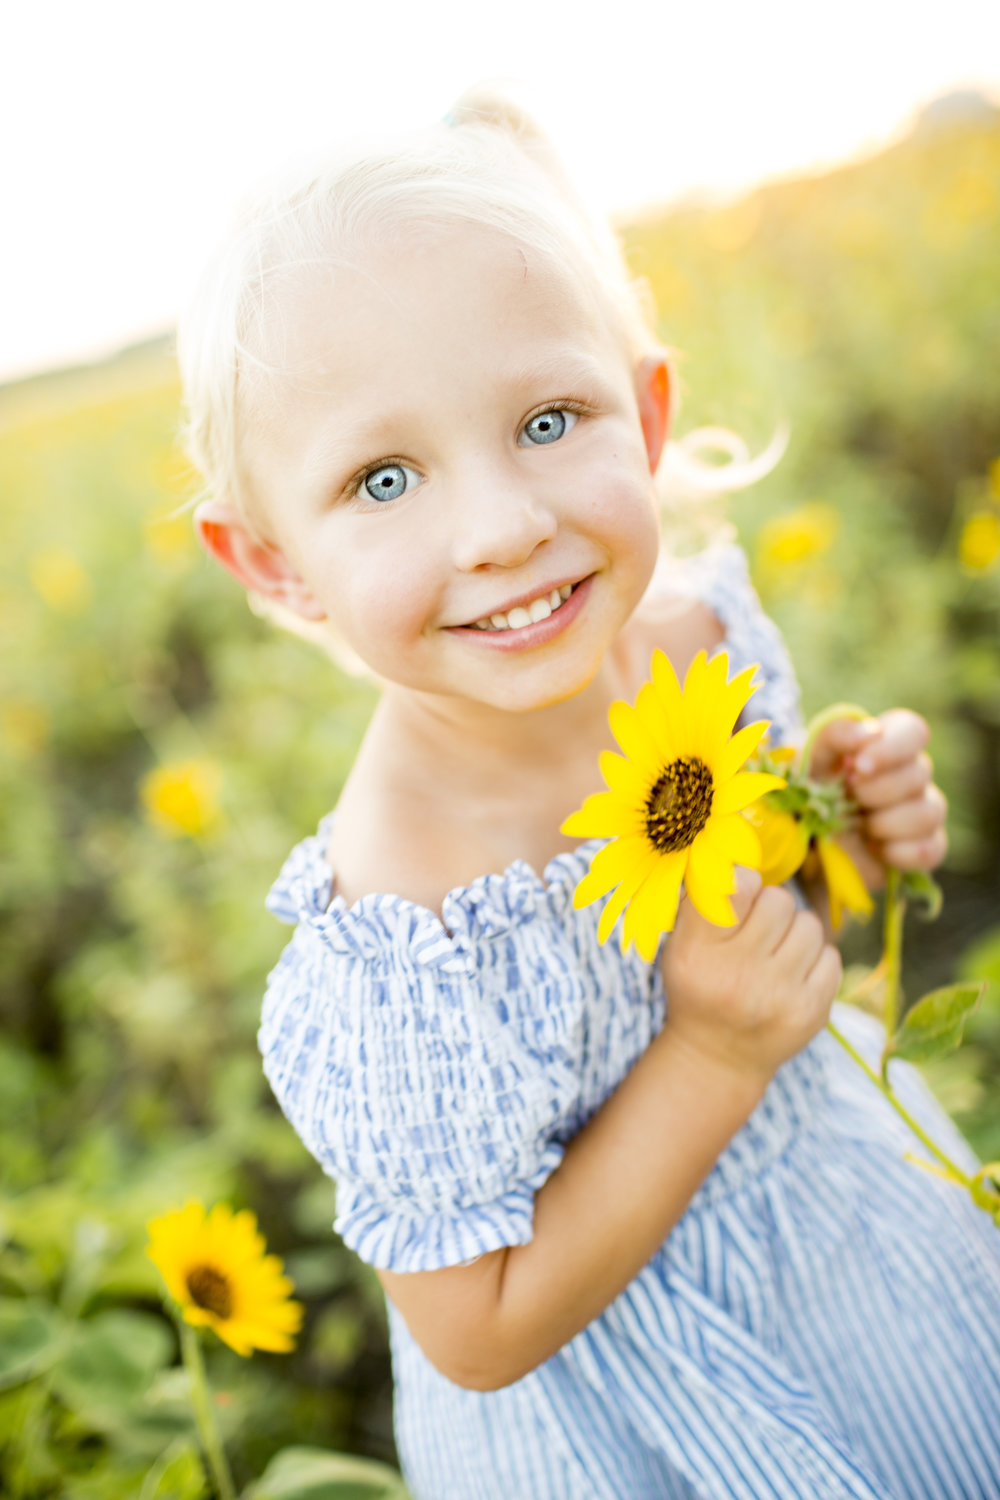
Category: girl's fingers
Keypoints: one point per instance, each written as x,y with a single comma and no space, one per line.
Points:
918,818
898,785
904,735
917,854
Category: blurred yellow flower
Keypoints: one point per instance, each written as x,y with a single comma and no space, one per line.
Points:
170,538
804,534
217,1270
979,544
673,809
24,727
784,841
60,579
183,797
844,885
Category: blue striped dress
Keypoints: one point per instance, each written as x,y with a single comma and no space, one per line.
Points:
822,1323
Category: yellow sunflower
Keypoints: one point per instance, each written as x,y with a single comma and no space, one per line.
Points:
217,1271
674,804
784,842
844,885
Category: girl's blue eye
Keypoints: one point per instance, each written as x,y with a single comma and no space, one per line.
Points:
549,426
390,481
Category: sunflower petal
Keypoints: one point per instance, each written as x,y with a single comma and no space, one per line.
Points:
604,815
608,868
666,684
634,738
784,842
736,695
734,838
712,864
710,879
844,884
737,750
654,906
712,731
621,776
744,788
620,898
662,727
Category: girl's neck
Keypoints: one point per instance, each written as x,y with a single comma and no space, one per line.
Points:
427,747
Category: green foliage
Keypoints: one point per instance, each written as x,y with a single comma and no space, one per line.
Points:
860,307
311,1474
935,1025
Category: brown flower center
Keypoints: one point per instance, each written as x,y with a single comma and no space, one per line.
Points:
211,1290
679,804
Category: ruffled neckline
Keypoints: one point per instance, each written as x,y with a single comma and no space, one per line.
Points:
493,903
486,908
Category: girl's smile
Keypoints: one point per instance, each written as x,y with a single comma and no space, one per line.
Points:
458,440
532,622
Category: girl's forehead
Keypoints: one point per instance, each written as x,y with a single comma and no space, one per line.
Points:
422,298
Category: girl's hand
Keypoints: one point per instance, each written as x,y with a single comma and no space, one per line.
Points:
749,997
888,772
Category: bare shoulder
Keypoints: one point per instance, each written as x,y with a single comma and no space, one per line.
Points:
370,853
388,840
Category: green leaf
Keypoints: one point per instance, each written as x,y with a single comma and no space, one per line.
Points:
935,1024
317,1474
30,1334
917,885
178,1474
110,1363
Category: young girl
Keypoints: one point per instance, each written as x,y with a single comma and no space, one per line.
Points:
644,1229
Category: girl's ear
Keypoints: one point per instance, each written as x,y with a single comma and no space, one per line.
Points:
261,567
653,390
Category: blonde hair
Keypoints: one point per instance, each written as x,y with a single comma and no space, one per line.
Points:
485,164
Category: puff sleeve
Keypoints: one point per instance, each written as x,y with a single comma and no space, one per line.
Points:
415,1089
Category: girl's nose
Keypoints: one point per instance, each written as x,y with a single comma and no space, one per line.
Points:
499,520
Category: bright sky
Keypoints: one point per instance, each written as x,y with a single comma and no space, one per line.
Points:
132,127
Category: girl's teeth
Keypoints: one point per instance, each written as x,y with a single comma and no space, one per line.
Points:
538,609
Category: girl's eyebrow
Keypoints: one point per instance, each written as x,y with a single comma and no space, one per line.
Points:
342,447
566,367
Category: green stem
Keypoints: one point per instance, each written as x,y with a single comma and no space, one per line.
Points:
819,722
204,1416
885,1089
895,910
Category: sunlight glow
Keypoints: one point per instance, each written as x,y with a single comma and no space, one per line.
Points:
139,127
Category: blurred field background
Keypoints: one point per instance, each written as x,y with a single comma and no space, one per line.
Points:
161,750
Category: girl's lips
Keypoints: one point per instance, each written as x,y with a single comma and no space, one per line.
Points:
530,635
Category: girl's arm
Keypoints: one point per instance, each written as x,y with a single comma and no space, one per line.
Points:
622,1185
742,1000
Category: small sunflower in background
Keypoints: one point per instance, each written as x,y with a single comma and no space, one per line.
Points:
674,806
181,798
979,542
218,1273
797,826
